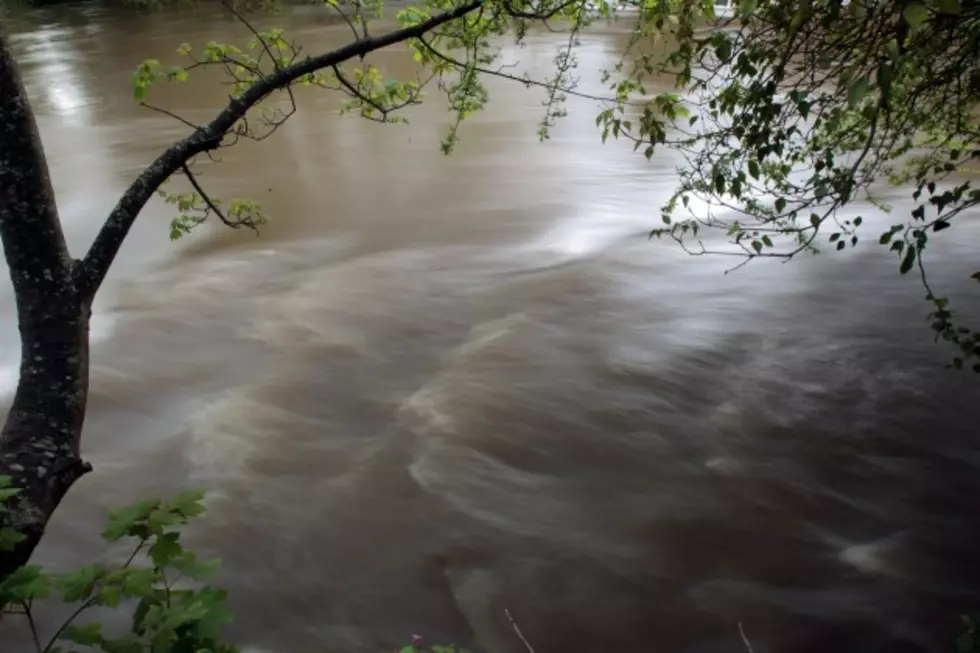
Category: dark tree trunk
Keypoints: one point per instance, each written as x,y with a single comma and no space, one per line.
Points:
39,443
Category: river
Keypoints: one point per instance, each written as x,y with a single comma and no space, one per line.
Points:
435,388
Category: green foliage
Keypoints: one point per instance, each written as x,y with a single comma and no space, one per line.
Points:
172,610
799,110
9,538
194,209
168,616
784,119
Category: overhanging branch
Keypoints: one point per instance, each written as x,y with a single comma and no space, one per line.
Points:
95,265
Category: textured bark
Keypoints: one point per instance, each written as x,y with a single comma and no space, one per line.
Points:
40,438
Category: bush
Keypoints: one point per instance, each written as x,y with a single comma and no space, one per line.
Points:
166,618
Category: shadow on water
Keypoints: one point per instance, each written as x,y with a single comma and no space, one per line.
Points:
435,389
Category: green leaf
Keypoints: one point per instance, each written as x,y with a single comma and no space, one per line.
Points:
142,612
177,74
209,625
79,585
908,261
89,634
754,168
139,583
189,565
9,538
161,519
126,521
110,595
893,50
951,7
885,77
165,549
888,235
25,584
858,91
189,502
915,15
6,494
723,49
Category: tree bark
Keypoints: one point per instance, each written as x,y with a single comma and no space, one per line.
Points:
39,442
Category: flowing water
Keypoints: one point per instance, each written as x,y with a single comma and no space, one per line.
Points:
437,388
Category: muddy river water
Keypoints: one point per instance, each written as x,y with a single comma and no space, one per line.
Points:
437,388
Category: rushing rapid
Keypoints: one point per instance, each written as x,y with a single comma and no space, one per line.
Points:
435,389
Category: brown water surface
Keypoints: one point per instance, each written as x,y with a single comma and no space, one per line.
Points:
435,388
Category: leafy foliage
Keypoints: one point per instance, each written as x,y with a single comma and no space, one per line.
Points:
173,611
168,616
9,538
785,115
802,107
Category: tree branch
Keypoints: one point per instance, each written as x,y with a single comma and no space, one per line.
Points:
526,81
517,630
745,638
33,241
170,114
212,206
104,249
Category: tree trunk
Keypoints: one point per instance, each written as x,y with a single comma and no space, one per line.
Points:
39,443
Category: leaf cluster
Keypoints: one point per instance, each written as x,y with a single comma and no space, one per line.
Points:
794,110
173,610
783,115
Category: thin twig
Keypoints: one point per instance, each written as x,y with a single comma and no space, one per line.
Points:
526,81
208,201
516,13
95,265
33,626
136,552
251,28
356,92
171,114
520,635
74,615
745,639
347,20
